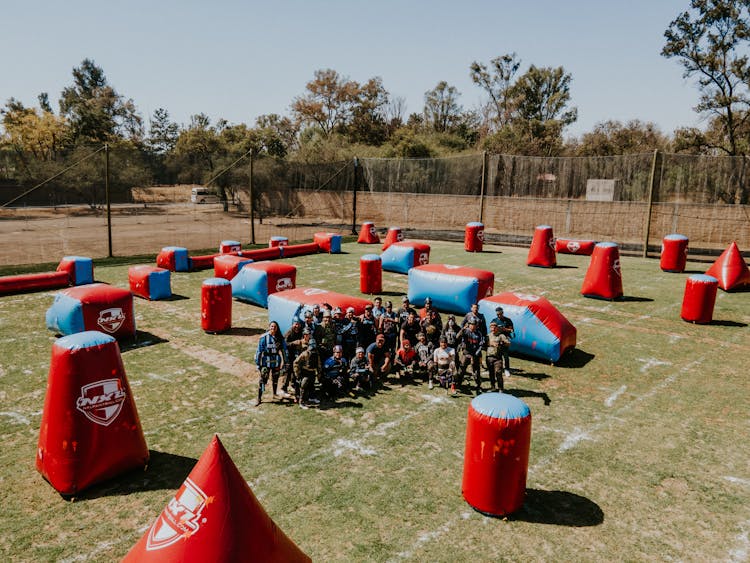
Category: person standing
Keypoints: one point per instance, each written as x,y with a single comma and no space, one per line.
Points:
307,369
270,357
481,320
470,344
506,329
388,326
494,359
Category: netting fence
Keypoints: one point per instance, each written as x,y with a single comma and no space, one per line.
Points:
53,207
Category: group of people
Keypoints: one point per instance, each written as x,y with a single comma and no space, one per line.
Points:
329,352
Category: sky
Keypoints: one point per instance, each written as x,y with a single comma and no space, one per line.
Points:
237,60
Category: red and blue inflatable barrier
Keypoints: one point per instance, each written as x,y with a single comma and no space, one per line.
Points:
256,281
96,306
229,265
541,331
328,242
149,282
72,270
285,306
90,430
451,288
400,257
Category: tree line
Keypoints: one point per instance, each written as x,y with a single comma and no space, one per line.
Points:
526,111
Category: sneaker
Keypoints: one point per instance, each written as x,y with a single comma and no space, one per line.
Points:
453,390
358,388
506,373
314,401
429,385
284,395
303,406
256,403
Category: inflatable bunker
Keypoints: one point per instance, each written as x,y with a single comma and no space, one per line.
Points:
259,254
574,246
229,265
402,256
285,306
230,247
291,250
90,429
72,270
368,234
328,242
452,288
96,306
541,331
214,516
150,282
256,281
174,259
603,279
542,249
730,269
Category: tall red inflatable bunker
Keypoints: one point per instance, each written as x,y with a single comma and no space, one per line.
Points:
394,235
542,250
730,269
474,237
216,305
90,429
368,234
496,458
214,516
97,306
674,250
603,278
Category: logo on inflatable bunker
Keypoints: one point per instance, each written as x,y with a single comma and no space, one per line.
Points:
181,517
284,283
111,319
101,401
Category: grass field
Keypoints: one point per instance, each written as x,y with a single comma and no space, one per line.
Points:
639,446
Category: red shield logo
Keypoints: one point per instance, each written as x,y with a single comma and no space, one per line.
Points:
101,401
181,518
111,319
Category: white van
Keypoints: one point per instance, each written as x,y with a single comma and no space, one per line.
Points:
204,195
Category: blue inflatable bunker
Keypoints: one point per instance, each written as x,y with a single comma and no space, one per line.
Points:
451,288
541,331
256,281
401,256
285,306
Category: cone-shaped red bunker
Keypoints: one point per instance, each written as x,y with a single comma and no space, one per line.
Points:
368,234
730,269
542,250
90,429
214,516
394,235
603,278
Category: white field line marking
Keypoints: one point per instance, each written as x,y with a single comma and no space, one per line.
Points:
101,546
571,440
16,417
741,550
609,401
737,480
649,363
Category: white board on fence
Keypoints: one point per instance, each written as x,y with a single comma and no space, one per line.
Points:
600,189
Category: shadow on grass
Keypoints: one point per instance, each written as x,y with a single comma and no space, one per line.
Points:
165,471
576,358
519,393
142,339
241,331
559,508
176,297
633,298
728,323
537,376
565,267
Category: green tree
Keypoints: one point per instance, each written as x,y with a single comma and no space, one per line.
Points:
710,40
329,101
29,132
163,132
611,138
442,112
94,109
497,81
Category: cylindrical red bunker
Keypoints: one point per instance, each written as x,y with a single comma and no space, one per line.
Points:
699,299
474,237
216,305
370,274
674,249
496,458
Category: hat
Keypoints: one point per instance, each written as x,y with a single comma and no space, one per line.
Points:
405,341
493,323
337,310
388,304
451,316
404,299
498,309
306,331
420,335
427,300
308,314
350,309
338,348
471,319
359,349
326,313
368,307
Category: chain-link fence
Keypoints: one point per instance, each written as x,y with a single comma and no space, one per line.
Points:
53,207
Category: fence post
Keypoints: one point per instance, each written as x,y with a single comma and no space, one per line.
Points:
106,197
484,181
252,201
652,184
354,198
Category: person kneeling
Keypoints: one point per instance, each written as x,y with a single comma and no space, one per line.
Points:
335,379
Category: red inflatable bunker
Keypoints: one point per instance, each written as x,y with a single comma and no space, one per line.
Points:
730,269
542,250
368,234
216,305
299,249
93,307
228,265
574,246
90,429
230,246
328,242
214,516
150,282
256,281
603,278
72,270
284,306
699,299
394,235
262,253
370,274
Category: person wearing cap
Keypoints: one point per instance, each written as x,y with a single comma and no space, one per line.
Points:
377,308
424,351
404,310
506,329
309,323
328,336
494,359
270,357
307,368
367,327
388,326
338,321
432,326
470,343
317,314
350,333
443,366
296,339
481,320
379,359
410,328
359,371
335,377
424,311
405,359
450,331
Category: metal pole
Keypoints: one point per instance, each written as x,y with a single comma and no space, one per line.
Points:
484,180
106,195
252,203
652,183
354,197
